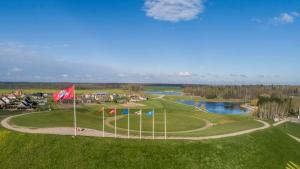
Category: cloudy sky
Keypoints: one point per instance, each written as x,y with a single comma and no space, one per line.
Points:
151,41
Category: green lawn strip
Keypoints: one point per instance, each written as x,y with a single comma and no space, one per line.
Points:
269,149
290,128
175,122
225,128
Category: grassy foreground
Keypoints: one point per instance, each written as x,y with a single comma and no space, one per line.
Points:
290,128
270,148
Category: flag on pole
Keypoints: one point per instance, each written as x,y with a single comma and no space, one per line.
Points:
65,94
153,124
115,112
141,124
103,121
138,113
125,111
128,123
68,93
149,114
165,124
112,112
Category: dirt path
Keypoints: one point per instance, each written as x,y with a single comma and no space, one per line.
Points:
296,138
96,133
159,97
293,120
280,122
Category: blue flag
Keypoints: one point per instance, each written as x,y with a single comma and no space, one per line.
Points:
125,111
150,113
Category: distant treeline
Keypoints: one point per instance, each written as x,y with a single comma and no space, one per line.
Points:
37,85
59,85
242,92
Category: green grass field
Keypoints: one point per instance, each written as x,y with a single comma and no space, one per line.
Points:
269,149
291,128
162,88
78,91
182,118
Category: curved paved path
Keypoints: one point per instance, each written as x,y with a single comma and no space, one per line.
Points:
96,133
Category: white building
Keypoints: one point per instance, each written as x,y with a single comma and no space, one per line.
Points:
6,100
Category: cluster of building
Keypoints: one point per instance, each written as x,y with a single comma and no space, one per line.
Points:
102,97
18,100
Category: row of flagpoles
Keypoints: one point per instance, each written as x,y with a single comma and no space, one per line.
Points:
70,93
140,113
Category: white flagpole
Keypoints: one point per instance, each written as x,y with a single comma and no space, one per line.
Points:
165,124
141,124
75,125
115,122
103,121
153,123
128,130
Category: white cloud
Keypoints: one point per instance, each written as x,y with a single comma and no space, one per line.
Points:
64,75
238,75
256,20
16,69
295,13
66,45
184,74
285,18
173,10
88,76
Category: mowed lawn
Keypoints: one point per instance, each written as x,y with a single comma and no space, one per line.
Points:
268,149
290,128
179,118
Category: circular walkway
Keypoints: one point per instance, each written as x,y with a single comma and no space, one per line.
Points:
97,133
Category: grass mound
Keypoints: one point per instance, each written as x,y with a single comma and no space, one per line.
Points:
270,148
180,117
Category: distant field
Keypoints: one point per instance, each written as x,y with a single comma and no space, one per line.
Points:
78,91
81,91
162,88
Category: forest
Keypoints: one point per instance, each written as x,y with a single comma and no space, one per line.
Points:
274,101
242,91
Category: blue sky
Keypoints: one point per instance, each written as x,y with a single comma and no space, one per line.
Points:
151,41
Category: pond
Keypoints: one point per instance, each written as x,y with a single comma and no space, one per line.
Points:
164,93
218,107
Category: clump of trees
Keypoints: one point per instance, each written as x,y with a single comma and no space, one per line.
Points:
274,101
242,91
270,107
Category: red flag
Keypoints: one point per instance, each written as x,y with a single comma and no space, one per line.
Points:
113,111
67,93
